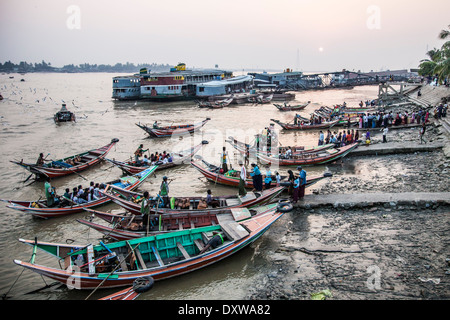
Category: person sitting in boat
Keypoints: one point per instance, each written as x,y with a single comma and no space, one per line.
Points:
79,200
217,240
91,196
155,125
80,192
145,161
210,201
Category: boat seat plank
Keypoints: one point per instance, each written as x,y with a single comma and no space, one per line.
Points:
224,217
199,244
183,251
240,213
234,230
249,196
233,202
122,261
139,256
158,257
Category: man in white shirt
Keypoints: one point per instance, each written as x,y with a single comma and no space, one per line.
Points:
242,180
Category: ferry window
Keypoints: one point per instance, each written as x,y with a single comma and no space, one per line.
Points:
201,89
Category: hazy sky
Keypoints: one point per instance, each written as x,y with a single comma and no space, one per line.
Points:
308,35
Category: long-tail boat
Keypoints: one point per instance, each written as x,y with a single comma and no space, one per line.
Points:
309,159
130,226
242,148
68,165
305,126
40,209
288,107
173,130
127,200
160,256
216,104
231,178
64,115
178,158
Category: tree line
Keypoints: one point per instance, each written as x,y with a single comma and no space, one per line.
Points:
43,66
438,64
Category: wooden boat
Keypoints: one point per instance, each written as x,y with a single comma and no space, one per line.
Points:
127,200
216,104
296,150
212,174
169,131
287,107
264,99
178,158
39,208
68,165
64,115
300,126
309,159
140,285
160,256
129,226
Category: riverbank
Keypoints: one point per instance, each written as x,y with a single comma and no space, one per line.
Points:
376,254
379,232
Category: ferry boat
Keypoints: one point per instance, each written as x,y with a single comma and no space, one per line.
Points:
127,87
178,83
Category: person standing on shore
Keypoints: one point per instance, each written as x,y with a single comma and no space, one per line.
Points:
302,177
385,131
422,133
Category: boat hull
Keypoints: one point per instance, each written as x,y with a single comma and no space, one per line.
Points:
45,212
255,227
44,171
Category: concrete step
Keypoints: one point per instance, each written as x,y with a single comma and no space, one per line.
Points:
423,199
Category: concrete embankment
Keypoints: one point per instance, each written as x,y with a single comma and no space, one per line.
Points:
419,200
395,148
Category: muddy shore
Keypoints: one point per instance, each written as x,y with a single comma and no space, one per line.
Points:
372,253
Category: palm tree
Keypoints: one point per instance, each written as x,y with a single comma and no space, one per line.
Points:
439,62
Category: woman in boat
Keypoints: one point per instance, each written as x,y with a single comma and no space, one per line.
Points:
257,178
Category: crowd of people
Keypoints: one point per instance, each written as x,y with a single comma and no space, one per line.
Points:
339,138
79,195
155,158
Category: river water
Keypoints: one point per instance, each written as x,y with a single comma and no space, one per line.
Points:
27,129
